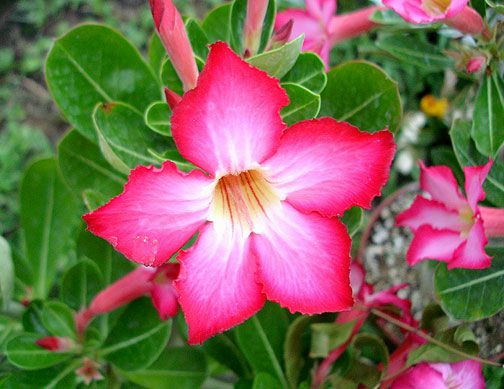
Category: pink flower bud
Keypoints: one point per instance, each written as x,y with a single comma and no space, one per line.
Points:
172,98
172,32
256,11
475,63
55,343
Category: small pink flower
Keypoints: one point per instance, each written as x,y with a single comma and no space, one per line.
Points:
454,13
265,211
172,32
89,371
476,63
461,375
56,343
448,227
322,29
256,11
141,281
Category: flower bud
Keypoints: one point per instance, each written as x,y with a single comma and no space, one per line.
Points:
55,343
475,64
256,11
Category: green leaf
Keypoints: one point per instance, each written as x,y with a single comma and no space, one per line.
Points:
262,343
303,105
80,284
156,53
412,50
22,352
308,71
327,336
49,214
176,367
124,138
468,294
58,319
197,37
444,155
216,23
225,351
60,376
94,64
83,166
268,25
6,274
362,94
279,61
93,199
138,338
265,381
467,155
456,337
434,319
32,318
488,117
157,118
170,78
8,328
353,218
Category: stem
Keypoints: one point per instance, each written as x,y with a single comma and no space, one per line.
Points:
430,339
325,365
375,215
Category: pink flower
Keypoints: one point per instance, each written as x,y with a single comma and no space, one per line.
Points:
265,211
55,343
256,11
89,371
454,13
448,227
460,375
172,32
476,63
321,28
141,281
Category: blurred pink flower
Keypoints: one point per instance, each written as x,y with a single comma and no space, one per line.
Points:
476,63
265,210
448,227
56,343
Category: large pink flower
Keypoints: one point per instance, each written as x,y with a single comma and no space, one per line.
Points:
426,11
265,210
460,375
448,227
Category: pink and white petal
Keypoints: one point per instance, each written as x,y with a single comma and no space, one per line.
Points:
440,183
462,375
471,254
158,211
429,243
321,9
217,283
420,376
303,23
410,10
456,6
430,212
328,166
474,178
304,261
231,121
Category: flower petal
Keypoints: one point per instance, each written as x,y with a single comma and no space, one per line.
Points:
159,210
231,121
321,9
462,375
430,212
163,294
420,376
304,261
440,183
303,24
217,286
471,254
474,178
430,243
328,166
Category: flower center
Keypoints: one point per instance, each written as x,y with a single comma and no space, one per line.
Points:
467,217
242,201
436,7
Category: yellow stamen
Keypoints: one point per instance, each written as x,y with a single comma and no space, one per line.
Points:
436,7
434,107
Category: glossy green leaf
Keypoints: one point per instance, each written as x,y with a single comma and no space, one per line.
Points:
83,166
93,199
58,319
362,94
176,367
156,53
223,349
216,23
6,273
412,50
434,319
468,155
262,343
94,64
32,318
157,118
22,352
8,328
138,338
488,117
124,138
328,336
170,78
353,218
279,61
265,381
49,214
303,105
308,71
197,37
468,294
80,284
458,338
60,376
